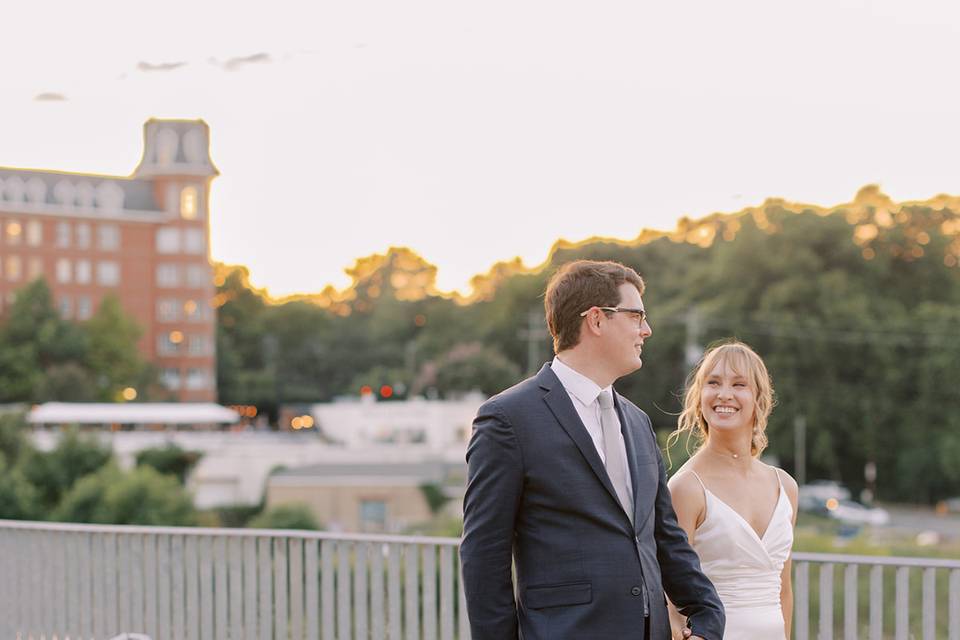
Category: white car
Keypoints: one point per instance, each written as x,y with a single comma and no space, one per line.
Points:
856,513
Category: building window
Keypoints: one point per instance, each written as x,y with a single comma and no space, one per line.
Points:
193,242
168,240
373,515
198,276
14,232
63,235
34,268
170,378
84,272
168,310
197,379
166,345
13,268
83,235
108,273
64,271
198,345
193,311
84,308
168,275
34,233
66,307
108,237
188,203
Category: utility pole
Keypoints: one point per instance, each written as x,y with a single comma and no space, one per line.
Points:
800,447
693,350
534,334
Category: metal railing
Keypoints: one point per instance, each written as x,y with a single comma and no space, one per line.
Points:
901,598
94,582
173,583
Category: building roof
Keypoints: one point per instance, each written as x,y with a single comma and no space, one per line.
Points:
131,413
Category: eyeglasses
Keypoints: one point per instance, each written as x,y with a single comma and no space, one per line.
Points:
638,314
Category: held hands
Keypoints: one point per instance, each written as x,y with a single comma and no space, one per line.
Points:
688,635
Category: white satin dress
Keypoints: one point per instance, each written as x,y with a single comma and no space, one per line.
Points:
744,567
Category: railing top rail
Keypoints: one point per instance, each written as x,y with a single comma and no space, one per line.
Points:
61,527
928,563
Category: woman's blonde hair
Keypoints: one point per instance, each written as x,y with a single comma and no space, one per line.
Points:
745,362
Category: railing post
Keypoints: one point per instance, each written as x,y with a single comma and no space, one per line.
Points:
876,602
826,602
903,604
929,603
953,621
850,617
801,598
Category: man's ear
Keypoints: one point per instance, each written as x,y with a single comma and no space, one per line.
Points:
592,321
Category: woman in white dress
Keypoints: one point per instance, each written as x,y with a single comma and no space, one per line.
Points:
738,512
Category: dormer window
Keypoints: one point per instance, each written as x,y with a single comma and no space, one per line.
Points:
188,203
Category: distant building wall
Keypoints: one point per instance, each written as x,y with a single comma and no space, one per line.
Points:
370,505
143,238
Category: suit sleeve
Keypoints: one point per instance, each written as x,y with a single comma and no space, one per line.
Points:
683,579
490,504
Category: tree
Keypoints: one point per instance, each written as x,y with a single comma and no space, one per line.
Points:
143,496
18,499
169,459
286,516
472,367
34,338
113,357
54,472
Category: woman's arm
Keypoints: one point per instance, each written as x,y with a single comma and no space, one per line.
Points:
689,505
786,581
786,597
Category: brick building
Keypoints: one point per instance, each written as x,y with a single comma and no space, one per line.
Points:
144,238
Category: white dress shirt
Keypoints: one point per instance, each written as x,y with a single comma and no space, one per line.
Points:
584,393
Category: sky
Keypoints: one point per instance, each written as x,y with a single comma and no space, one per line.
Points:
476,132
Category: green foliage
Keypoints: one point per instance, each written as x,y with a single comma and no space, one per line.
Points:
18,498
235,516
286,516
54,472
142,496
435,497
856,312
113,356
13,437
472,367
44,357
170,459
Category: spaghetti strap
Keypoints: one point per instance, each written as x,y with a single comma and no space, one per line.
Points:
702,486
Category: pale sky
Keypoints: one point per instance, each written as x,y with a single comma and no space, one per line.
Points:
475,132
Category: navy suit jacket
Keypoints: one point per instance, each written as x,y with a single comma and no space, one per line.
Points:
539,496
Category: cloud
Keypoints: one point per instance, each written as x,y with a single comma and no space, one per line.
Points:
50,96
236,63
149,67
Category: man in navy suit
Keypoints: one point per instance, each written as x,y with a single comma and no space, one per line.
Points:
567,483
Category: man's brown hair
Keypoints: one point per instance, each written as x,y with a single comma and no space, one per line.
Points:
577,286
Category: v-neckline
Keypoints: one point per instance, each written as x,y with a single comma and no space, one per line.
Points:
776,507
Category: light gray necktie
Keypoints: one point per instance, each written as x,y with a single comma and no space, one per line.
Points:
613,451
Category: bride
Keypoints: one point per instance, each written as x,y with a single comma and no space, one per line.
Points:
738,512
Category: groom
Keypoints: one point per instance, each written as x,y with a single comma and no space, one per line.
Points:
566,481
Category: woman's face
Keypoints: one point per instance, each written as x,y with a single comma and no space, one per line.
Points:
727,400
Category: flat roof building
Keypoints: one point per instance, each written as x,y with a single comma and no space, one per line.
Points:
144,238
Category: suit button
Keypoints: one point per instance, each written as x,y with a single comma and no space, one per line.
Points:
636,591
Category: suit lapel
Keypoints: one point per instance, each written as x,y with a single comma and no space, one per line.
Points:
563,410
630,441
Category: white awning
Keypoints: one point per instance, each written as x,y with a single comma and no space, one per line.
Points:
132,413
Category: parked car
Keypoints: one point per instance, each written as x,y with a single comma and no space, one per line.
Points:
852,512
814,495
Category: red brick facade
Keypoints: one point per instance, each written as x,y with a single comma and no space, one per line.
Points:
144,238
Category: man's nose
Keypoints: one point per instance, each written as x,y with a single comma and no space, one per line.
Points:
645,329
